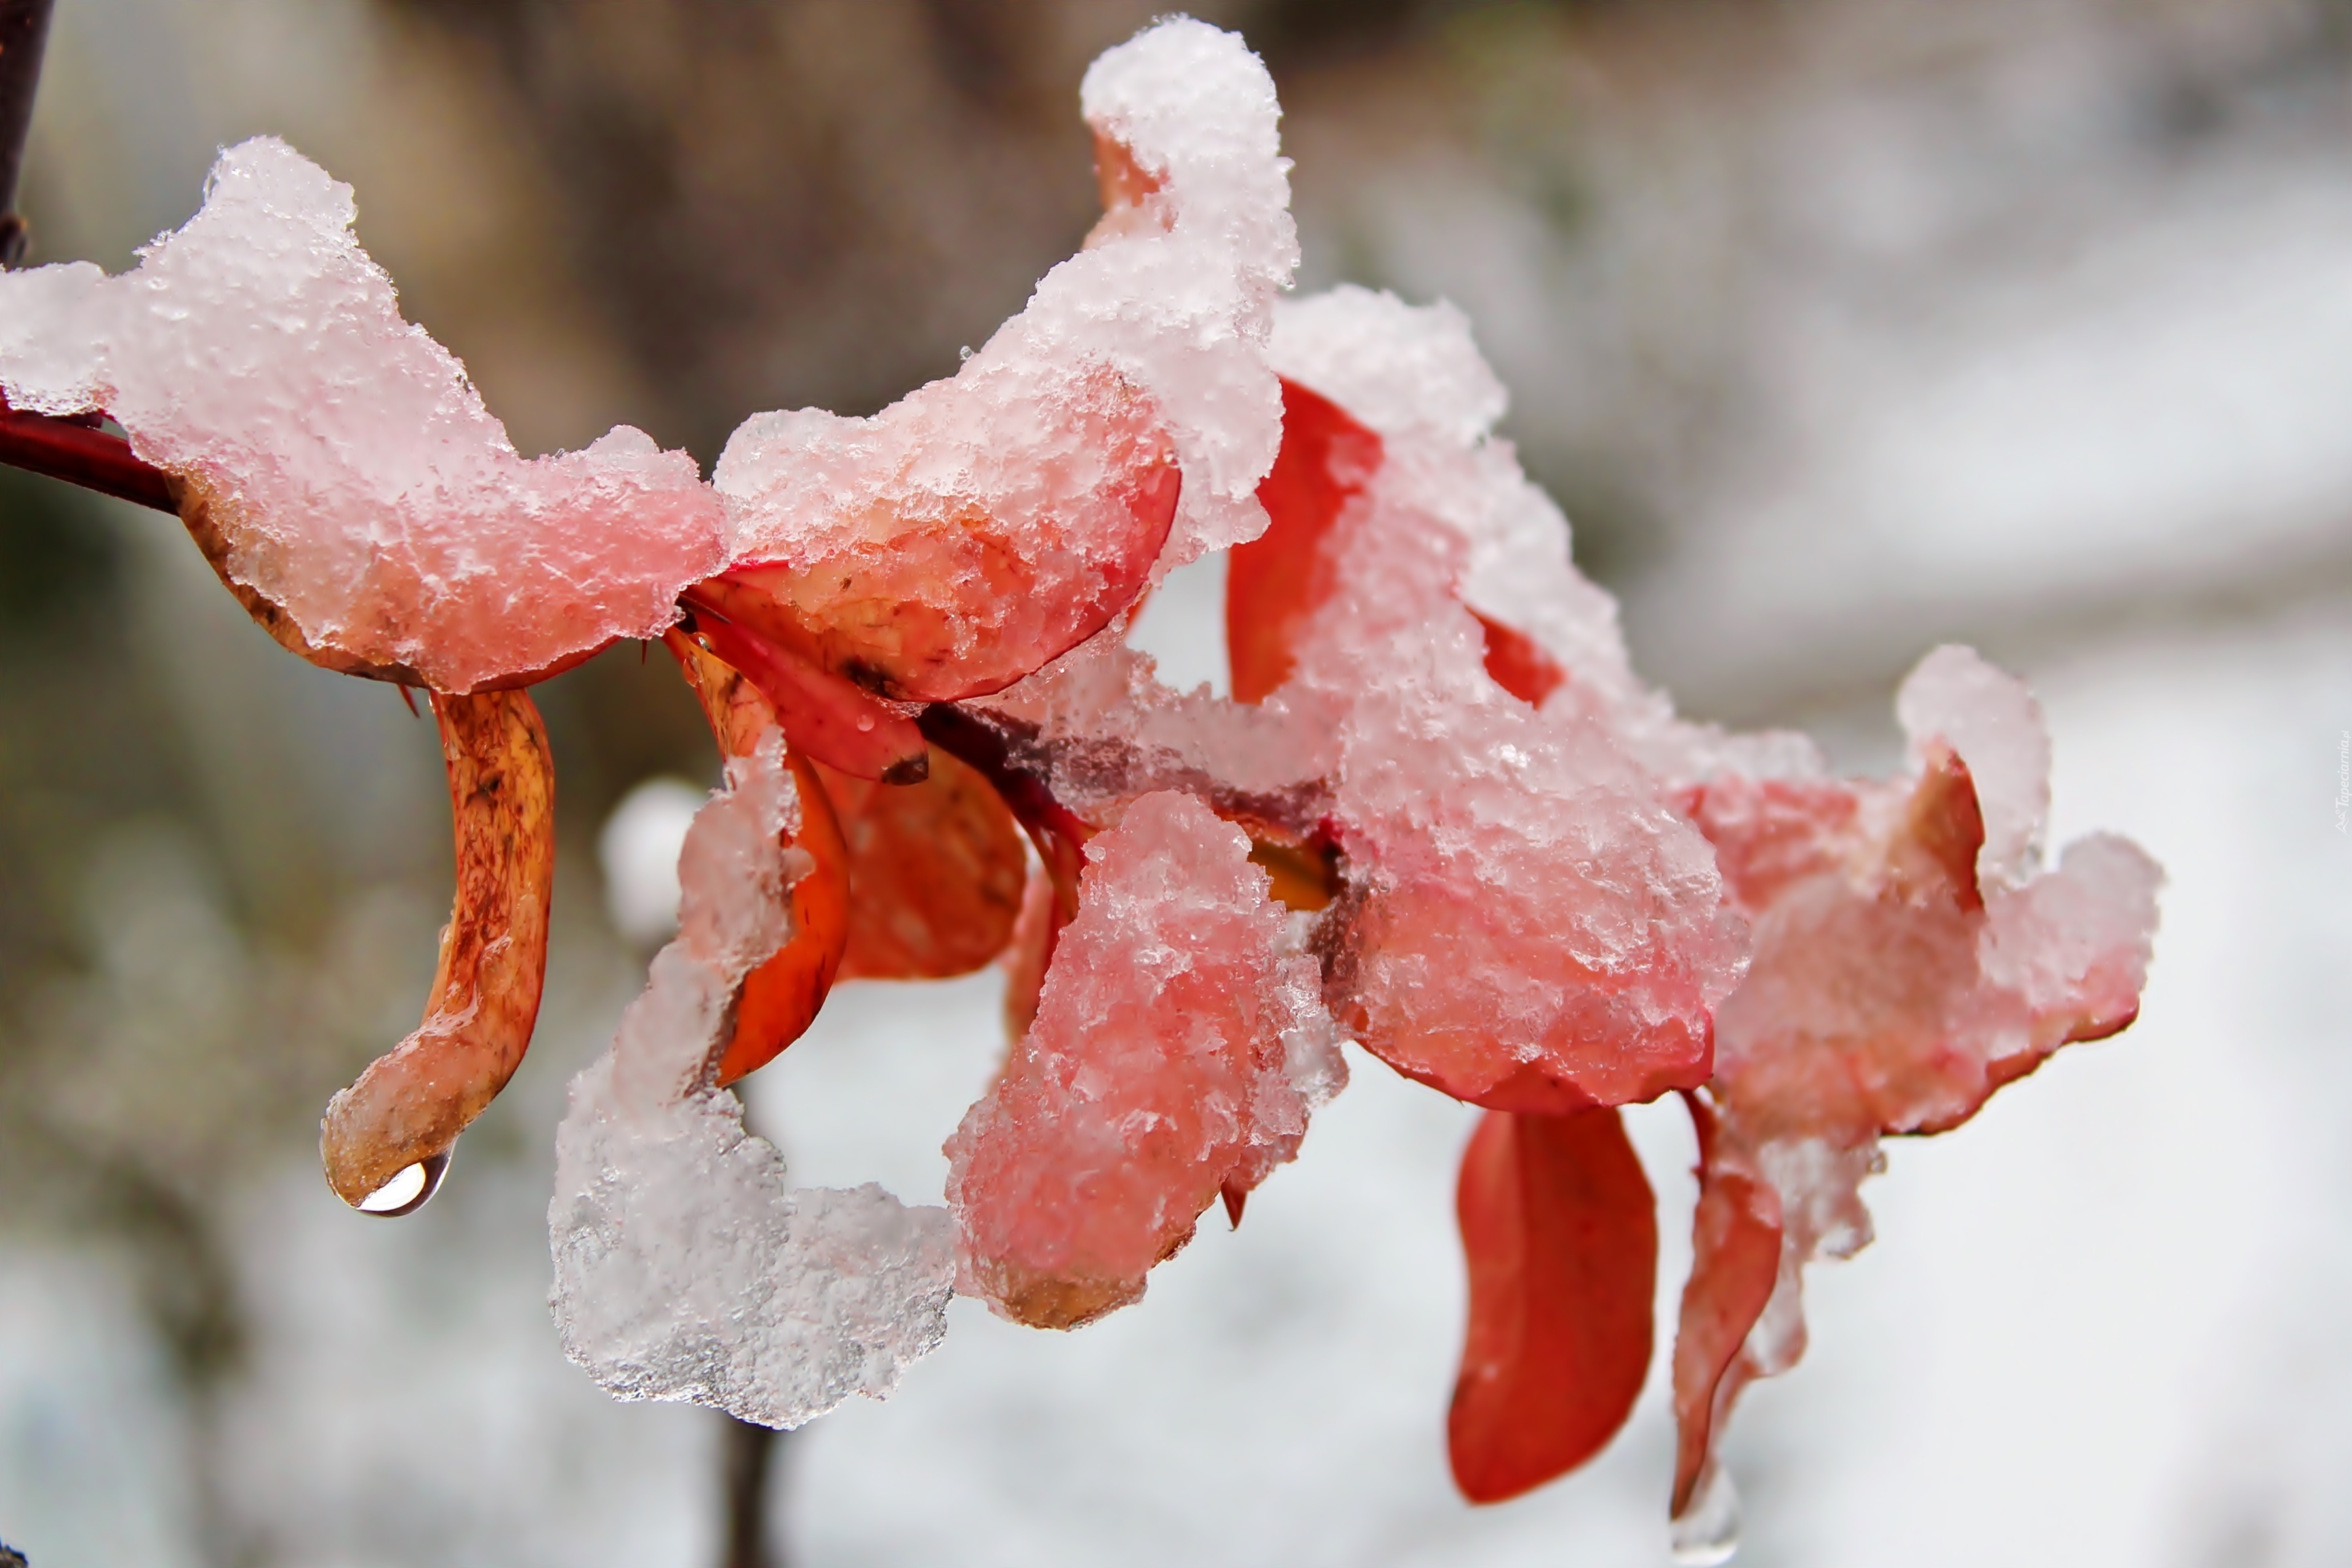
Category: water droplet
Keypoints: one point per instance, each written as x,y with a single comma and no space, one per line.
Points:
408,1191
1708,1532
865,721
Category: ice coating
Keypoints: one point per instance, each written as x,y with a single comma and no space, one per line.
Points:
1529,928
1177,1048
959,538
1182,293
1415,376
1529,925
686,1266
1904,971
1504,857
1907,961
344,468
988,522
1989,717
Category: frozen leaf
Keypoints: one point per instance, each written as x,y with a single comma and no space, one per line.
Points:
988,522
1735,1265
1990,719
1904,971
780,998
1526,924
1177,1050
335,460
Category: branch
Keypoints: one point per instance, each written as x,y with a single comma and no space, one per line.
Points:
23,31
74,450
82,454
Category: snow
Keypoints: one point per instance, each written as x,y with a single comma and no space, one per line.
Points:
687,1267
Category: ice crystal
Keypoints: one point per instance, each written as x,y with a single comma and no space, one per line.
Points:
353,475
687,1267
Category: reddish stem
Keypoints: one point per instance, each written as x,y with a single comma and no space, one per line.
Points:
95,460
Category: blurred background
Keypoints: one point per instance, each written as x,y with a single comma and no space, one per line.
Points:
1840,327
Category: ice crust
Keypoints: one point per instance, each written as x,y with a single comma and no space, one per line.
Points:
1179,1047
356,479
1908,963
1533,928
1909,956
1540,902
686,1265
989,522
1414,375
947,546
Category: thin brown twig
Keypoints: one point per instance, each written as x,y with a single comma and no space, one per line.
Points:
748,1455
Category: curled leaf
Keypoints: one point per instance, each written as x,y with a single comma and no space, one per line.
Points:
1560,1231
410,1104
780,998
1734,1267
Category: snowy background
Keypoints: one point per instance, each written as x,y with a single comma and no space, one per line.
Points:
1842,327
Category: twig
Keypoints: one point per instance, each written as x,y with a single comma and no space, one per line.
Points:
24,31
81,455
68,450
748,1455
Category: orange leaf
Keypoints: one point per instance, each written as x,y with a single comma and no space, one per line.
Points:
936,871
1562,1233
410,1104
781,997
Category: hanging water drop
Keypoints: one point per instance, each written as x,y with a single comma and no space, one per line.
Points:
408,1191
1708,1532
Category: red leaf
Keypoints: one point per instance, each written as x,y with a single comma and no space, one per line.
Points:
1276,583
936,873
823,715
1736,1245
1517,663
1561,1233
